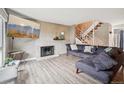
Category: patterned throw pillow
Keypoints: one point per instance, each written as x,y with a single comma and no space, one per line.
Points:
88,49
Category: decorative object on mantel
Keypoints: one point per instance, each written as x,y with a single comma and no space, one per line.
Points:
61,36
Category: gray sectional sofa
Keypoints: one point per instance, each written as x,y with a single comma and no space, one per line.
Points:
80,52
100,65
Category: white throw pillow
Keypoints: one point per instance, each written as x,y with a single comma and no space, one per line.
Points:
108,49
88,49
74,47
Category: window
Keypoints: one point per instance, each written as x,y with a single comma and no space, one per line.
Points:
3,20
1,41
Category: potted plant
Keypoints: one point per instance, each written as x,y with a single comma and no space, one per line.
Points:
8,60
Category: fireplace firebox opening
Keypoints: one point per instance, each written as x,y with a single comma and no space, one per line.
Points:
47,50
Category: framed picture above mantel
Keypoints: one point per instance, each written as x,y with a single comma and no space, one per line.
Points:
22,28
19,31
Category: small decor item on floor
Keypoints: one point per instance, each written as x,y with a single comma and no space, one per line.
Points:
10,62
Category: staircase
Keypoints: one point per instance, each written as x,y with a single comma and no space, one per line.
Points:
84,32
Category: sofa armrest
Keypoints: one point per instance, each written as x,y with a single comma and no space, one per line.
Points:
68,47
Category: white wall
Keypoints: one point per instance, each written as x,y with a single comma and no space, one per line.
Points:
21,21
48,32
102,35
72,34
119,26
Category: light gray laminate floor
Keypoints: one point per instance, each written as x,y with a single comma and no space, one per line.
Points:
57,70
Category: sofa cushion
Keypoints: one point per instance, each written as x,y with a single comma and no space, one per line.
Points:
79,54
89,68
99,50
103,62
88,60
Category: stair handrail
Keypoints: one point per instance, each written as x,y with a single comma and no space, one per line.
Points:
83,34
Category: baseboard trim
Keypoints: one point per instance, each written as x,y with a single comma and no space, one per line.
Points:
47,57
29,59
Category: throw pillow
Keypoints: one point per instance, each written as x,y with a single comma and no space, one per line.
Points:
74,47
107,49
88,49
103,62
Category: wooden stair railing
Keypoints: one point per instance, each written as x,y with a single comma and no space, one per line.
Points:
93,27
89,36
80,28
79,38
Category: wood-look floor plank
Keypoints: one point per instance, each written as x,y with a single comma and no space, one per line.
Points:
57,70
